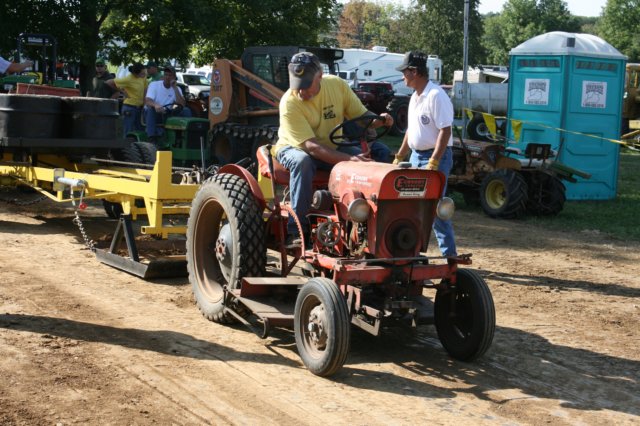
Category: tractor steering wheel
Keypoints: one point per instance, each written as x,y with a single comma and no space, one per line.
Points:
357,131
172,108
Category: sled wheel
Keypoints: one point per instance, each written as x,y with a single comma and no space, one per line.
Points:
477,129
465,316
399,109
225,242
322,326
546,194
503,194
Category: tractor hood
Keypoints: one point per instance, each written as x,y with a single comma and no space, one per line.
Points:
384,181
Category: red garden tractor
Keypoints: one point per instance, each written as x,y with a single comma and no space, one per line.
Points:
367,265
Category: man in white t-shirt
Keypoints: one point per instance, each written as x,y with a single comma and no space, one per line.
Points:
428,133
161,95
7,67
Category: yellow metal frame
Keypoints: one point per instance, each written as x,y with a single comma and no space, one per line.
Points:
115,184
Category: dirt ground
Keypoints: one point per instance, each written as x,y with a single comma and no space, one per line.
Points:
83,343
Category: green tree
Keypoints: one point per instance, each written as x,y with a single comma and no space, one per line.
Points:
521,20
437,27
619,25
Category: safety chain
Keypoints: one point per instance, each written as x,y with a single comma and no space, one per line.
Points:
18,202
91,245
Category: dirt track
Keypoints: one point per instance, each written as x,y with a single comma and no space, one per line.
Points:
81,342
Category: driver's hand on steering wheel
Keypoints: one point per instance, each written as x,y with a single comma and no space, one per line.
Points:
388,120
159,109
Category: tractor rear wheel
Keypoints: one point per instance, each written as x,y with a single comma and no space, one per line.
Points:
322,327
129,154
147,152
546,194
225,242
465,316
399,109
503,194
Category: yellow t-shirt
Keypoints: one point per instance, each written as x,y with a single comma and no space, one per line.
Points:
316,118
134,87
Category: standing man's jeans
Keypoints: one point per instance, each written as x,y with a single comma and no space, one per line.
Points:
302,168
131,119
442,228
152,118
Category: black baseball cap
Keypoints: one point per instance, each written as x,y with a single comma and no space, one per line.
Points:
303,68
413,59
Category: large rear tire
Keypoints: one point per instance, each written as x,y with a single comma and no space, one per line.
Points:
322,327
546,194
503,194
465,317
399,109
225,242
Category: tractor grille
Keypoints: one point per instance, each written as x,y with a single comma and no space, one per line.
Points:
195,131
403,227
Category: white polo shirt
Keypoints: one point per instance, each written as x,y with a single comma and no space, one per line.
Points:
428,113
4,65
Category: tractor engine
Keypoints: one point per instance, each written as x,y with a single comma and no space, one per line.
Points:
385,211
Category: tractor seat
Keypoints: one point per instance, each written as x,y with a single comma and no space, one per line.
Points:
281,175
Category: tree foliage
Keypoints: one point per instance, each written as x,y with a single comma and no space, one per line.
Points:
619,26
124,31
521,20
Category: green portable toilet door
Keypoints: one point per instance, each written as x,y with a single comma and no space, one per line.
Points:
593,108
536,92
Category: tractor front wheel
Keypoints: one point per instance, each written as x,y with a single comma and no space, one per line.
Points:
465,316
503,194
322,327
225,242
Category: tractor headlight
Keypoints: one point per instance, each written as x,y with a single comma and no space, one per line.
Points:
446,208
359,210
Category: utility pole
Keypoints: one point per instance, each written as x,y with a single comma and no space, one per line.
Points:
465,66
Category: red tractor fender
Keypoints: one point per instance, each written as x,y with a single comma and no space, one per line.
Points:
234,169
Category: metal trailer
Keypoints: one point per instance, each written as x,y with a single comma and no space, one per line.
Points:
139,190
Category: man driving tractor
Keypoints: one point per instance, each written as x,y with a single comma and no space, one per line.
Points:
312,107
163,97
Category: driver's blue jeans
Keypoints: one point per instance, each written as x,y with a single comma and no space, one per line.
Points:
442,228
152,118
302,168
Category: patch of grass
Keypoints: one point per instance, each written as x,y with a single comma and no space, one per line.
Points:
616,217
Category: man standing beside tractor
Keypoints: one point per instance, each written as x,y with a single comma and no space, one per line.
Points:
98,87
163,97
312,107
428,133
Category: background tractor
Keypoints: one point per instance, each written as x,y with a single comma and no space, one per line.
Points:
366,265
379,97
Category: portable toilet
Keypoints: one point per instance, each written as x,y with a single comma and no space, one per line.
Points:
573,82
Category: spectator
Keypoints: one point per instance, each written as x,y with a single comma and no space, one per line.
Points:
7,67
153,72
98,87
428,133
134,86
312,107
162,94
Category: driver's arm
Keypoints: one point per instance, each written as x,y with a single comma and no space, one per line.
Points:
328,155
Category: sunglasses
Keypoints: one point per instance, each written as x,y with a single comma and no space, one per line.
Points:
99,65
300,60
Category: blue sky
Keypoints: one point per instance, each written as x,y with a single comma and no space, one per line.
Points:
576,7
